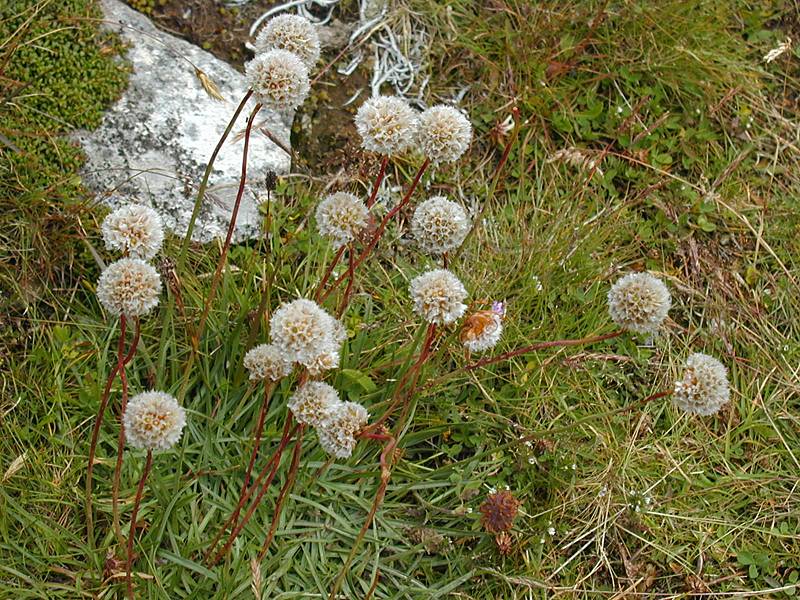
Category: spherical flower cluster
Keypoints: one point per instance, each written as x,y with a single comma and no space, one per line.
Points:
498,511
279,79
129,287
292,33
341,217
135,229
438,296
305,333
703,389
444,134
387,124
639,303
338,429
267,362
439,225
311,403
482,330
153,421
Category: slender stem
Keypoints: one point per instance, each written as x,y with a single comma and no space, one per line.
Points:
268,387
201,192
282,494
380,494
231,227
378,181
254,505
337,257
351,278
121,444
98,421
380,229
131,535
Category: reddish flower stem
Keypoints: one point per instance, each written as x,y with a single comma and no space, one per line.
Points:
382,227
378,181
351,278
283,493
229,237
129,563
328,272
98,420
275,463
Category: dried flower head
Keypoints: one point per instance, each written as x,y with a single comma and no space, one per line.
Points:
339,427
292,33
444,133
302,330
135,229
267,361
129,287
438,296
311,403
439,225
341,217
639,302
153,421
279,79
387,124
482,330
703,389
499,511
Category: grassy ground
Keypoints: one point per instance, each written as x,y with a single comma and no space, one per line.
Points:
695,143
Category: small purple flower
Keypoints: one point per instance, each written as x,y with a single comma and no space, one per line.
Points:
499,308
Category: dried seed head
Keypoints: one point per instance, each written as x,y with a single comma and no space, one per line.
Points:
444,133
153,421
499,511
481,330
292,33
438,296
129,287
267,362
703,389
639,303
439,225
341,217
387,124
339,427
311,403
279,79
134,229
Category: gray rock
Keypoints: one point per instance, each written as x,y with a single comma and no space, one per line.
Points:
154,143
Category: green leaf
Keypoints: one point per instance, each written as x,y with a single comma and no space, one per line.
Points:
356,377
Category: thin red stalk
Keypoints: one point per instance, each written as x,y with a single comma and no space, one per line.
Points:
380,229
128,565
351,278
121,442
378,181
231,227
268,387
243,499
540,346
283,493
272,465
328,272
98,421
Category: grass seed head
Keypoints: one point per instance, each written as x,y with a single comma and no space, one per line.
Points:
444,133
703,389
341,217
639,302
135,229
439,225
267,362
438,296
387,125
129,287
153,421
292,33
339,427
279,79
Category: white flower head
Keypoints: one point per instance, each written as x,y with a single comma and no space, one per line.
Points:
444,133
703,389
129,287
135,229
303,330
153,421
267,361
639,303
325,360
279,79
339,427
341,217
292,33
438,296
387,124
311,403
482,330
439,225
